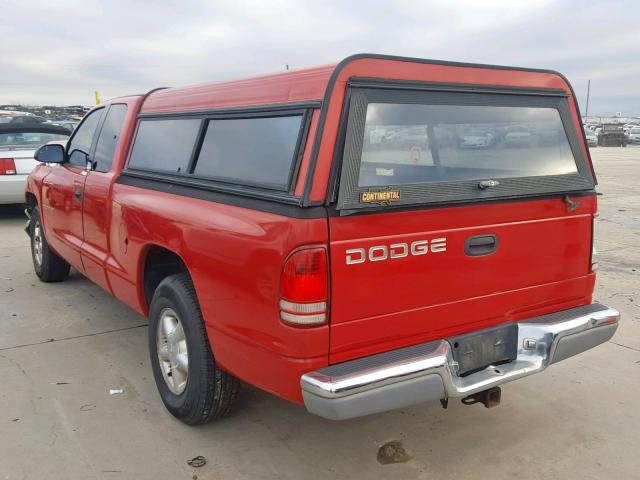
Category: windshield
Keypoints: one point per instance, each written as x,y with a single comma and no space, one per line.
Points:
412,143
635,130
29,138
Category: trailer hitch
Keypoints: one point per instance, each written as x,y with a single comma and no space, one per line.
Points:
489,398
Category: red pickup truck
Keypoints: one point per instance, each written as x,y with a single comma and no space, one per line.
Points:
321,234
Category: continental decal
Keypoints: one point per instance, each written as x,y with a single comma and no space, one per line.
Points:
380,196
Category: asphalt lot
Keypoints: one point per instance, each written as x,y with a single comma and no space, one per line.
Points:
64,346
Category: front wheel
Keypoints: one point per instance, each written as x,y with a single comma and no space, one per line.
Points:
192,387
48,265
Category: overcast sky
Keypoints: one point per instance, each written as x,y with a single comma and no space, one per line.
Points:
60,51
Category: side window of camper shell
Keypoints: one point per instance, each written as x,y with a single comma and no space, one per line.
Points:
260,151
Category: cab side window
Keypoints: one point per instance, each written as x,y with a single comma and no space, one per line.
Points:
108,139
80,145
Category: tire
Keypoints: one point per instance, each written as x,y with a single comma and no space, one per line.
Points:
207,392
48,265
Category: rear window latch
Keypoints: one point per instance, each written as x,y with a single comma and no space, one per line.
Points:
484,184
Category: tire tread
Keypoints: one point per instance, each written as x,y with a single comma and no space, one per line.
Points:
217,389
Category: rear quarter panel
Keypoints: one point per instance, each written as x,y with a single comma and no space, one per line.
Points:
234,256
24,165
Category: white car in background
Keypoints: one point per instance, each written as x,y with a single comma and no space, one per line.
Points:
476,139
517,137
18,143
592,138
634,135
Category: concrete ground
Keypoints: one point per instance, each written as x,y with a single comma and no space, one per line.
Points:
64,346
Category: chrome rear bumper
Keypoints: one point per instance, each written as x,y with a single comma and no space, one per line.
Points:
428,371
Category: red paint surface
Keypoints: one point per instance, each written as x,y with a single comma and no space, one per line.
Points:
306,156
287,87
62,212
541,263
235,255
97,205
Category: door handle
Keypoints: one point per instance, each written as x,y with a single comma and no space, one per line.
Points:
480,245
78,193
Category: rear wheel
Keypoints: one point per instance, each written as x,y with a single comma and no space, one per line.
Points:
48,265
192,387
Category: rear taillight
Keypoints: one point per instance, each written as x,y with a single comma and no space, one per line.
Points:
7,166
304,287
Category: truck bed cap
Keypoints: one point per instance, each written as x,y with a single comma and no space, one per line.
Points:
312,84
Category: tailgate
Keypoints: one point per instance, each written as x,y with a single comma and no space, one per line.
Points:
433,238
541,263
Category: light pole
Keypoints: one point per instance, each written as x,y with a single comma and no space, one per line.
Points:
586,113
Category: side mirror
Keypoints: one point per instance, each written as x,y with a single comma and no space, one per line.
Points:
52,153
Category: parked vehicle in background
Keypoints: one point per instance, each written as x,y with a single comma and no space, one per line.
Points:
549,136
22,120
18,144
592,138
414,136
270,238
477,139
634,135
380,136
67,125
612,135
517,136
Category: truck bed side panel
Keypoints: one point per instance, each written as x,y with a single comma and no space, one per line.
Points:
234,256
